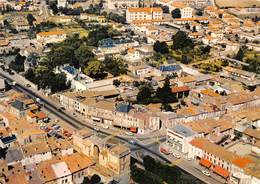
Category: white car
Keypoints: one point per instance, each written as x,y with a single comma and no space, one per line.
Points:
105,127
129,133
177,155
96,129
132,141
205,173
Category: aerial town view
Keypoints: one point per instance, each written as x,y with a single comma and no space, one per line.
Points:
129,91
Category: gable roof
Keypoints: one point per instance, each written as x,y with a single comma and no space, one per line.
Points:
214,149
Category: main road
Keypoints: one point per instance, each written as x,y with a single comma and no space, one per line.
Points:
62,114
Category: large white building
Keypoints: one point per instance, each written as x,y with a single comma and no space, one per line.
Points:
179,137
186,11
144,14
51,36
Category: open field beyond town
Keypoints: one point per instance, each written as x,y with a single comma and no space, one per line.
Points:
237,3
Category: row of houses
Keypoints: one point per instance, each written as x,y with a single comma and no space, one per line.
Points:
202,141
100,107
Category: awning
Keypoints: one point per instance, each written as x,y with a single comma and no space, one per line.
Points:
205,162
220,171
133,129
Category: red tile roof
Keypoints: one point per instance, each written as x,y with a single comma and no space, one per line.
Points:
180,89
41,115
242,162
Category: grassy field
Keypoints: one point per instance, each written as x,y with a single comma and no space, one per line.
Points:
70,30
237,3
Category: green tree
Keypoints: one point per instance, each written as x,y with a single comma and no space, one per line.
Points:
144,177
185,59
149,163
116,17
54,8
240,55
161,47
136,84
45,26
166,107
199,12
205,49
57,82
165,9
176,13
144,95
187,26
95,179
116,82
3,152
95,69
84,55
97,35
115,66
29,75
60,55
30,19
254,64
164,94
86,180
181,41
33,58
18,63
73,41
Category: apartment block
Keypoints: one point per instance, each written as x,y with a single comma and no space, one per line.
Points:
144,14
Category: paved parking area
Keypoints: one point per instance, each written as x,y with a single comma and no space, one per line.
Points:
244,149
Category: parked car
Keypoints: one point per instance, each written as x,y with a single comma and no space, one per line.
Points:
53,125
206,173
132,141
61,109
177,155
43,127
52,133
56,127
164,151
105,126
129,133
96,129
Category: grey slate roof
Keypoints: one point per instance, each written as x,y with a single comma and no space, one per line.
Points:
182,130
18,105
13,155
123,107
